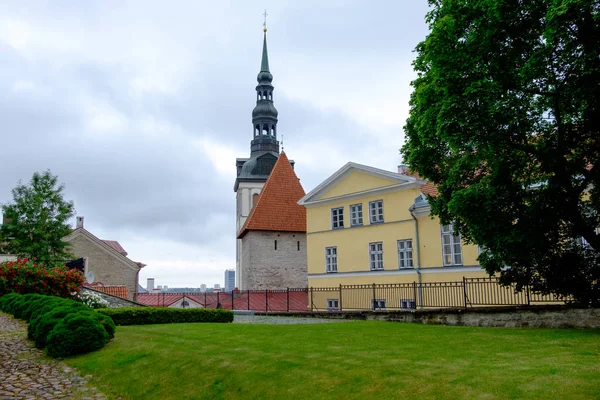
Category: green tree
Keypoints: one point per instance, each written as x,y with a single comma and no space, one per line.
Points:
36,220
505,120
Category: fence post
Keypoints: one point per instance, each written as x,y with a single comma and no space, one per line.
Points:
340,297
288,300
205,300
528,296
232,298
248,292
465,290
374,298
311,299
218,301
266,300
415,293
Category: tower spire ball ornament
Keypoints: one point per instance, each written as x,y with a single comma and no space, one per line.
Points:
265,23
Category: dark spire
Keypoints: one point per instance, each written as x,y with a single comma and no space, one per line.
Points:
264,115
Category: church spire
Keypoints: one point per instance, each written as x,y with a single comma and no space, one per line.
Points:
264,115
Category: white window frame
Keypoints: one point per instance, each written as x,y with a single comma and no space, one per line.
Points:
376,213
337,218
408,304
378,304
331,259
356,214
449,242
333,304
405,254
376,256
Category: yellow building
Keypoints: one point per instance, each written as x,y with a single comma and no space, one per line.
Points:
370,226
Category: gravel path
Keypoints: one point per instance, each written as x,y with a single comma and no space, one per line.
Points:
277,320
26,373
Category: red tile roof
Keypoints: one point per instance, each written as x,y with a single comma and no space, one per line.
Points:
428,188
277,208
116,246
116,290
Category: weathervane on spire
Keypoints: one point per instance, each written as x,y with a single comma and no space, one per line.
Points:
265,23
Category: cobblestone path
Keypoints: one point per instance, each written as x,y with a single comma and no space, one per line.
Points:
26,373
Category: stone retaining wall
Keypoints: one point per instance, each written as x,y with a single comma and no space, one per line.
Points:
510,317
113,301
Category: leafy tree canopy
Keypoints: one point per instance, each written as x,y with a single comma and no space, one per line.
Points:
505,119
36,220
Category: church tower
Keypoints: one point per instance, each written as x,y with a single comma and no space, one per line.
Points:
253,172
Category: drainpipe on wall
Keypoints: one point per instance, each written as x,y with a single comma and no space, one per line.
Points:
418,258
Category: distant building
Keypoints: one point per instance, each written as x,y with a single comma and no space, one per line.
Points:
203,288
217,288
229,280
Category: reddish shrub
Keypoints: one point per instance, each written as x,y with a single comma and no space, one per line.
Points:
25,276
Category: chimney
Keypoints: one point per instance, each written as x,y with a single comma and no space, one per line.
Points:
150,284
79,222
402,169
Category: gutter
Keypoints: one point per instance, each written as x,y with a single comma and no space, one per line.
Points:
418,248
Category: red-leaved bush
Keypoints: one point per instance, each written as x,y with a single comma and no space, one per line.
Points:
25,276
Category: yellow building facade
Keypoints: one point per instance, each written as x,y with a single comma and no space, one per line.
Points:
370,226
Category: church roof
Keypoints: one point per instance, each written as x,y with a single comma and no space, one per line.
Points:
277,208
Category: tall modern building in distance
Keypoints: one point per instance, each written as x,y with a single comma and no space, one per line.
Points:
229,280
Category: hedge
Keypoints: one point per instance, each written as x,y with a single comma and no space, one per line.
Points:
164,315
61,326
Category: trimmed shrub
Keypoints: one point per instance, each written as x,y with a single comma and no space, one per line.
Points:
76,333
164,315
6,299
40,328
26,276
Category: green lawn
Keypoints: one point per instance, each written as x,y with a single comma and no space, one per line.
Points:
356,360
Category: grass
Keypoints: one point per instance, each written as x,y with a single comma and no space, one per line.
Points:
353,360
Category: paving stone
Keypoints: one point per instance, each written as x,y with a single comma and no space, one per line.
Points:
26,374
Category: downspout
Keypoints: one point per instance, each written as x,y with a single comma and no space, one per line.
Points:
418,248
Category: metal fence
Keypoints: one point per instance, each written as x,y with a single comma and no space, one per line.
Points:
470,292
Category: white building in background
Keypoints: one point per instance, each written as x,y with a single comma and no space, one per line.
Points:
203,288
229,280
217,287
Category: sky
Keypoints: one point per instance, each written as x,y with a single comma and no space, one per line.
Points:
141,108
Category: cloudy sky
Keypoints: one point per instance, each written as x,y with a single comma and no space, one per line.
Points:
141,107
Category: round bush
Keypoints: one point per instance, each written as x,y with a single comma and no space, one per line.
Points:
40,328
6,300
76,334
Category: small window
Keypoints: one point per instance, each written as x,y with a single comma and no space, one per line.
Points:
298,245
333,304
330,259
276,245
405,254
376,256
376,211
408,304
356,215
378,304
254,199
337,218
451,246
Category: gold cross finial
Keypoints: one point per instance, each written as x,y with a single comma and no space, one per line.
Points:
265,23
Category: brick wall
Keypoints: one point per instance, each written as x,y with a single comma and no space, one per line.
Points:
265,267
107,269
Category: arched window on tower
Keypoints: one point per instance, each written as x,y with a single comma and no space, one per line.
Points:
265,129
273,131
254,199
257,130
271,96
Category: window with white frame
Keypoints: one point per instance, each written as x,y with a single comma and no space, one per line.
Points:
405,254
408,304
356,216
333,304
337,218
331,259
376,211
376,255
378,304
451,246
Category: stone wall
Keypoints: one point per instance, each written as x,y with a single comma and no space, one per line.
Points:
113,301
265,267
509,317
105,266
